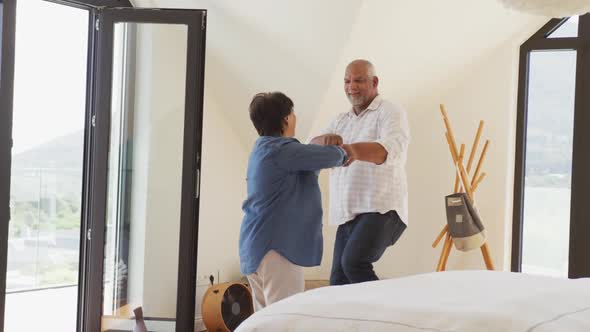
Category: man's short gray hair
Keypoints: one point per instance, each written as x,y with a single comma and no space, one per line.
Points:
367,64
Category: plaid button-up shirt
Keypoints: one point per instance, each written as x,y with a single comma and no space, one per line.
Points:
363,186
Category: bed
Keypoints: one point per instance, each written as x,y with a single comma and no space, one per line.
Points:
444,301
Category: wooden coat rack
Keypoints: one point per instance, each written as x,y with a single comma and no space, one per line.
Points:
463,184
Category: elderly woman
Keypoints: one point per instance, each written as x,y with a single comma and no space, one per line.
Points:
282,227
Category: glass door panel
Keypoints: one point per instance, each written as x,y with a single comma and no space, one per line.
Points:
548,163
144,176
47,167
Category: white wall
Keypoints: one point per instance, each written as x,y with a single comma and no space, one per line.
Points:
223,189
487,90
462,53
482,86
488,93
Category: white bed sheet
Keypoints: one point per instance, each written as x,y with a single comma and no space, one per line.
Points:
447,301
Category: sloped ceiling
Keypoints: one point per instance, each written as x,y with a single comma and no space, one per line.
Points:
300,47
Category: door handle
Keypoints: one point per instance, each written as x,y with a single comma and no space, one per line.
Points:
197,183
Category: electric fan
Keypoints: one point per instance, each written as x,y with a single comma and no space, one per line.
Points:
225,306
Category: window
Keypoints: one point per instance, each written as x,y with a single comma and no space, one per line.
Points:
47,164
55,157
567,28
551,192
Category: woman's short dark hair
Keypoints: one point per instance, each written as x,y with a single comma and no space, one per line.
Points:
268,111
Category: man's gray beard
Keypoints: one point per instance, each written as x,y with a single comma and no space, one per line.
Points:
357,101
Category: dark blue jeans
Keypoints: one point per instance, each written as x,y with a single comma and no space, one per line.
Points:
360,243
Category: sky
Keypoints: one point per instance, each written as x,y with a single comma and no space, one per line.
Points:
50,72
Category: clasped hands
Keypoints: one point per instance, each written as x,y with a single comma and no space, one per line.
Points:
334,139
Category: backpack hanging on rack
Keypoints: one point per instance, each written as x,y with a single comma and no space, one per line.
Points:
464,222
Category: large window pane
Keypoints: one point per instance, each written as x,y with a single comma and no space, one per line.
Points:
47,162
567,30
548,165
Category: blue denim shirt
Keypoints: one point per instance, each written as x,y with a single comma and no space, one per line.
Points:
283,210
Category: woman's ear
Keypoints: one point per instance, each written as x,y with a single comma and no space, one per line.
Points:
286,122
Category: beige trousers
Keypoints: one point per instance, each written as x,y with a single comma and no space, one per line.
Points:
275,279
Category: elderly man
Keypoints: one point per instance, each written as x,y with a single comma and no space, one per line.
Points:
369,198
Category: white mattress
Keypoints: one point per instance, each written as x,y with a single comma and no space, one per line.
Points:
447,301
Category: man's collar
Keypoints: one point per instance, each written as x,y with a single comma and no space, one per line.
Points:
375,103
372,106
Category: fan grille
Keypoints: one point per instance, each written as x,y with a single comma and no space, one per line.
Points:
236,306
